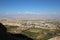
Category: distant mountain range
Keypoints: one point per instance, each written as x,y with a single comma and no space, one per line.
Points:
28,15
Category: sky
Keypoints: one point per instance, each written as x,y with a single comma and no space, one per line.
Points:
36,8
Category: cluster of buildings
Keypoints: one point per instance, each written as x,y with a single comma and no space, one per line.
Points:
28,23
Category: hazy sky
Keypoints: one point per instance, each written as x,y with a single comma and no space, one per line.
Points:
41,8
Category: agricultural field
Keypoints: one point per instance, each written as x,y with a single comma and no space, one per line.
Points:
35,33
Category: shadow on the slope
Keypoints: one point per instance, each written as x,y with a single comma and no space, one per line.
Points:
4,35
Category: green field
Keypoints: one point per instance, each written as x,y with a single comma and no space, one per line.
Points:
37,33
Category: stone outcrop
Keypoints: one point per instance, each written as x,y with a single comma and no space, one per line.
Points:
55,38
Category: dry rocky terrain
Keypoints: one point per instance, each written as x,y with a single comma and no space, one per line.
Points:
38,29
